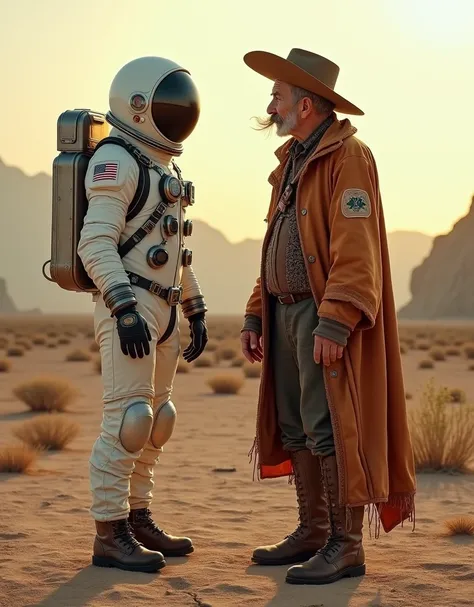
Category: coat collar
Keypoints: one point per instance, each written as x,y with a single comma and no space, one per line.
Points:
332,139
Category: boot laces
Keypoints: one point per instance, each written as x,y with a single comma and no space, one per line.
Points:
336,539
124,534
143,518
302,511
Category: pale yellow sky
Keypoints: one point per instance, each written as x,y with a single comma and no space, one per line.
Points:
407,63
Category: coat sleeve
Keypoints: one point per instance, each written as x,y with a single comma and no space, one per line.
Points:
193,299
110,185
354,285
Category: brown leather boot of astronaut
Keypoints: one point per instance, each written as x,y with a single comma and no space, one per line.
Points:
116,546
154,538
313,529
343,555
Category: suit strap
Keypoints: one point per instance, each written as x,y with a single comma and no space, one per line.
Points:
143,186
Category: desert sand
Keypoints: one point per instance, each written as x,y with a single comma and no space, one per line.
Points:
46,532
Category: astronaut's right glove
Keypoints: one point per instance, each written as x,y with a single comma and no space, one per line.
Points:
133,332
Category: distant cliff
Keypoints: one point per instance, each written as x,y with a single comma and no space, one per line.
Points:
7,305
442,286
226,271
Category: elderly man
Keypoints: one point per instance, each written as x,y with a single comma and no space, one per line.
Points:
322,319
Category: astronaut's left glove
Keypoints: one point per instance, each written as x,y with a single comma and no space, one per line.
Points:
199,338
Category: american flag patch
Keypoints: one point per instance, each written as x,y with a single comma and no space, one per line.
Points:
105,170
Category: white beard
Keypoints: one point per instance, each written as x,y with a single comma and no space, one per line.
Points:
283,129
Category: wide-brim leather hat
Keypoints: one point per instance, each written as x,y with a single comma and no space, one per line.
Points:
303,69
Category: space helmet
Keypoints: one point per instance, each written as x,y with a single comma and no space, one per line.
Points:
154,100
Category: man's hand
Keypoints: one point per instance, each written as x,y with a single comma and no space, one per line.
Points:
198,333
326,350
251,346
134,333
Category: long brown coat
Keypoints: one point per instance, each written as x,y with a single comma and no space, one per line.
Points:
344,242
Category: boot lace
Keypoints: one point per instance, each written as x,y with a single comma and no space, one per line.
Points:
124,534
143,518
336,538
302,527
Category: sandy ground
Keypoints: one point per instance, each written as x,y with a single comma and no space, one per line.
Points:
46,532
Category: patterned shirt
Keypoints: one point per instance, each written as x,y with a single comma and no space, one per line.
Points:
285,265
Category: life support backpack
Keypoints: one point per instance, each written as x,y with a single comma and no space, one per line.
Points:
80,132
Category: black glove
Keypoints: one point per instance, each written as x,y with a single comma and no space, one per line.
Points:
133,332
198,333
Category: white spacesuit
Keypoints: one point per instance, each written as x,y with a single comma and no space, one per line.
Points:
154,106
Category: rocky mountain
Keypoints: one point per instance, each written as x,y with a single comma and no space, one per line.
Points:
7,305
442,286
226,271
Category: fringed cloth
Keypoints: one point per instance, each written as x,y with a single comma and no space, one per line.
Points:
400,507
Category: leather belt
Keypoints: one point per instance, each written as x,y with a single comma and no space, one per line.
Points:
172,295
293,297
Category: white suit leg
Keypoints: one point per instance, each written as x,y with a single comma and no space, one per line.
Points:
141,482
127,413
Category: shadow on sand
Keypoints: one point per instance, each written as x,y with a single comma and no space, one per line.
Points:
340,593
92,582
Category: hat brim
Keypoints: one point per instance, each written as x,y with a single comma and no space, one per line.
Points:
274,68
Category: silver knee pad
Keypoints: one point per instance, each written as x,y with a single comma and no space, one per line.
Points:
136,425
165,419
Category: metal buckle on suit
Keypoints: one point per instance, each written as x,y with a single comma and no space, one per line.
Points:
142,158
155,287
174,296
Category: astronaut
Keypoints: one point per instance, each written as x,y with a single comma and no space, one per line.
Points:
143,273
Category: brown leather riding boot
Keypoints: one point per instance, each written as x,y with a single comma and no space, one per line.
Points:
116,546
154,538
313,528
343,555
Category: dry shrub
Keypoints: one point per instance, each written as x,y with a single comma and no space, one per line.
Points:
426,364
46,393
457,395
64,341
94,347
252,370
453,351
212,345
437,354
52,345
461,525
50,433
424,346
15,351
226,384
17,458
5,365
227,351
442,433
239,361
469,351
470,368
183,366
3,343
24,344
39,340
408,396
52,334
78,356
203,361
403,349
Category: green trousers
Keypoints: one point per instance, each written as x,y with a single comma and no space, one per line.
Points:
303,412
